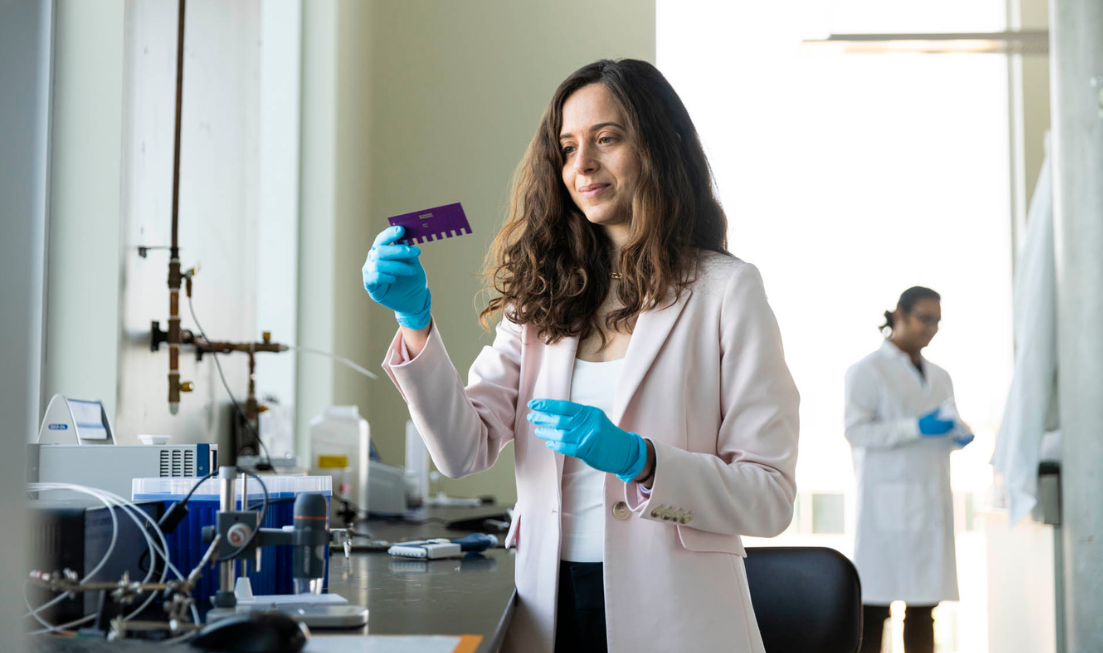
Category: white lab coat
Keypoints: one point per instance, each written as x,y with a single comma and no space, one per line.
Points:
904,548
1032,394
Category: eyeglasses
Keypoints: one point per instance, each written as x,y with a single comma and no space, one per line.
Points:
929,321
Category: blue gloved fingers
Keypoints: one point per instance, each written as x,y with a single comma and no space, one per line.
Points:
395,279
375,279
560,441
541,418
557,406
548,433
559,434
392,252
964,440
396,268
576,415
388,236
537,417
587,434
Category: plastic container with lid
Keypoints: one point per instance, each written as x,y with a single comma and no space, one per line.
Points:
186,546
340,442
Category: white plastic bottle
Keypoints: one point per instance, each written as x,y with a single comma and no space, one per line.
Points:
417,467
340,440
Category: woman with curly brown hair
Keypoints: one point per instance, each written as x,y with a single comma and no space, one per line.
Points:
637,368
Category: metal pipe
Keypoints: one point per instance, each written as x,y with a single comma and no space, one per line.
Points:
226,347
193,577
174,338
244,508
226,477
174,254
251,400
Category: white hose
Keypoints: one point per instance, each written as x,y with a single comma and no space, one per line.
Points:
33,612
112,501
340,359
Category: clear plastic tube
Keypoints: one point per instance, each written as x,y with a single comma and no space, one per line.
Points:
112,500
340,359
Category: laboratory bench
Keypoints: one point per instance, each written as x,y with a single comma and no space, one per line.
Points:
473,595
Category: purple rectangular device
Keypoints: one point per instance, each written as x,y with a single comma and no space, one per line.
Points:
437,223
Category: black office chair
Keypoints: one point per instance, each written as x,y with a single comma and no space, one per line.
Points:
806,599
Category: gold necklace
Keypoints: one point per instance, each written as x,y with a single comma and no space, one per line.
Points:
616,275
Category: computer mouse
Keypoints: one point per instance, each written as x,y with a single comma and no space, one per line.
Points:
255,632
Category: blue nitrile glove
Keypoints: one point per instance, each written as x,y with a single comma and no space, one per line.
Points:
931,426
963,440
587,434
394,278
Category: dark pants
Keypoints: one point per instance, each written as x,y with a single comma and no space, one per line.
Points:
918,628
580,623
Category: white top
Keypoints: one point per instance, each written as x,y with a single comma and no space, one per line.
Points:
904,546
583,525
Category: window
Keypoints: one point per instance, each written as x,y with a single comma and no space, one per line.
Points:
847,179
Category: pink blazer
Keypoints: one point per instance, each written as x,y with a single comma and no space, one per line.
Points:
705,380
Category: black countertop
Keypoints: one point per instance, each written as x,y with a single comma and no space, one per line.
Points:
473,595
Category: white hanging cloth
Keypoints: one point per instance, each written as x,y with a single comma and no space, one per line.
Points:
1019,443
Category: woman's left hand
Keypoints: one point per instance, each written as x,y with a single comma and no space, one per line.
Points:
587,434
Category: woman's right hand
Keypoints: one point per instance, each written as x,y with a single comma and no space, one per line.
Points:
394,278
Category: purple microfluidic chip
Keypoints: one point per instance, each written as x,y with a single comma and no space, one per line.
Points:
437,223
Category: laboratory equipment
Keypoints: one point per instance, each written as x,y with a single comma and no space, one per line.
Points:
237,535
441,547
386,490
242,535
417,467
115,611
176,337
436,223
431,549
75,535
340,444
337,468
75,421
273,577
65,456
476,542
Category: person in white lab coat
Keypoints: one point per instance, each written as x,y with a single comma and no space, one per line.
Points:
901,426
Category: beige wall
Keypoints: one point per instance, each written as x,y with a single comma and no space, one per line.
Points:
435,102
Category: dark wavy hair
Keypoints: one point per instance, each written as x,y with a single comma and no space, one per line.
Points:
907,302
549,267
